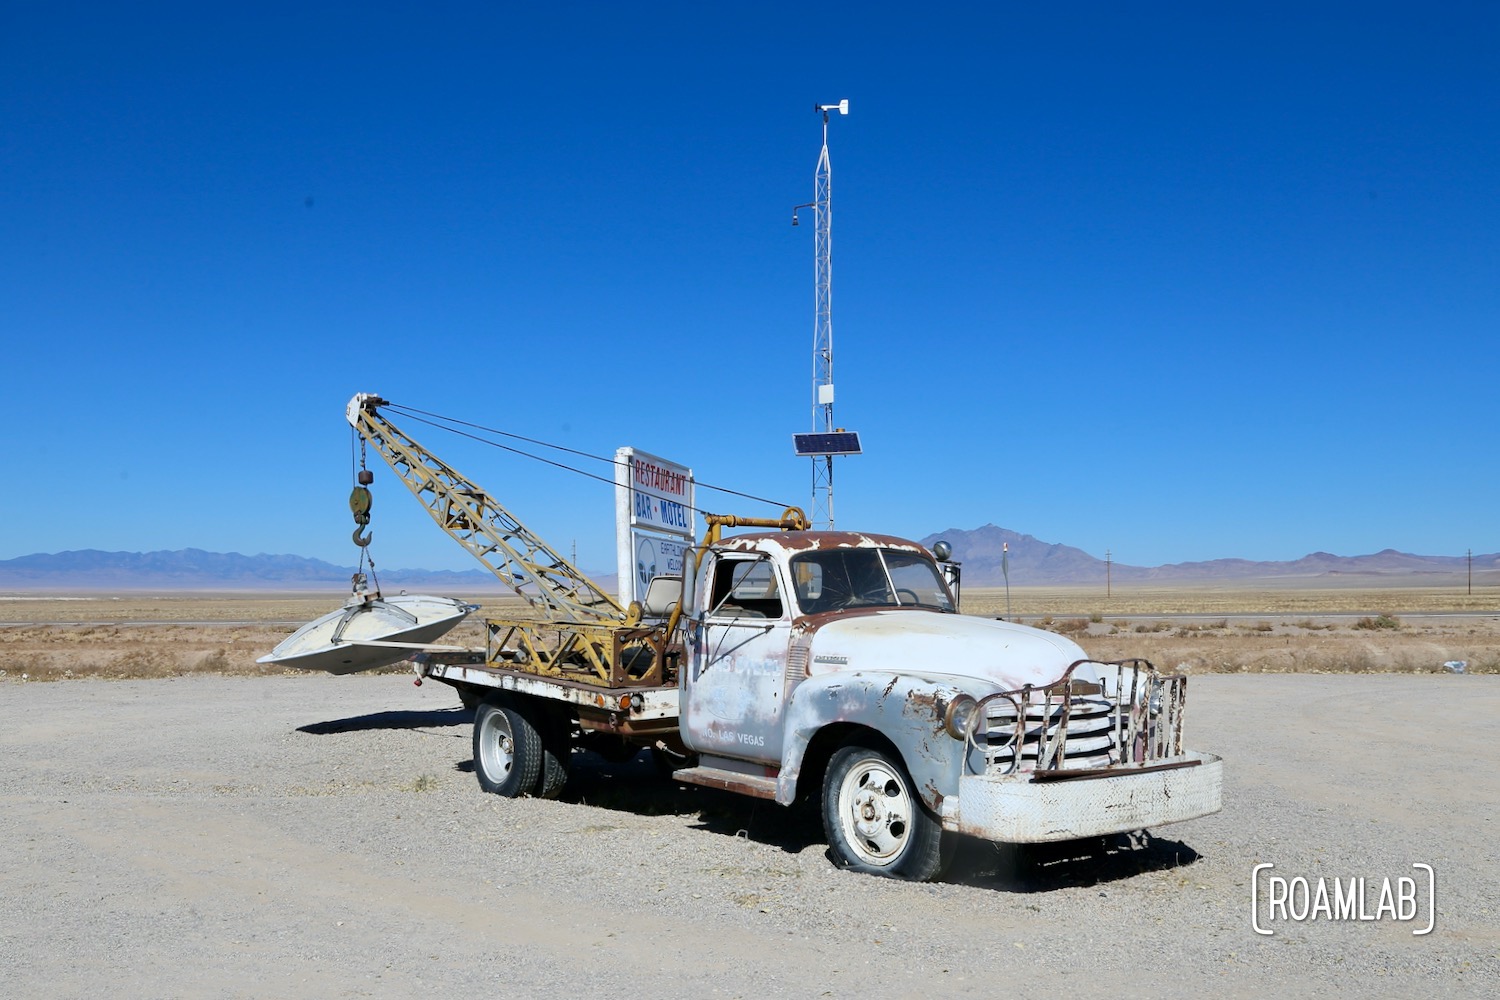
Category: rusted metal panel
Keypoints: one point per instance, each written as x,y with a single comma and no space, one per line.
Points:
906,709
789,542
1084,773
649,709
734,707
1016,809
735,688
747,778
728,781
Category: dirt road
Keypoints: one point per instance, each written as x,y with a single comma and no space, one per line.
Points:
325,837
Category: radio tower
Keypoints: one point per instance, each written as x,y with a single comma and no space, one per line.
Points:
822,445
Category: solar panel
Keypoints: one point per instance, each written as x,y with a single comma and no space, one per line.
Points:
835,443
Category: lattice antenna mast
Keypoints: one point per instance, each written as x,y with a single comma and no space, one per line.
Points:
822,389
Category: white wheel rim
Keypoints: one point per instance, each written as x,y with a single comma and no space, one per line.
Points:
875,810
497,746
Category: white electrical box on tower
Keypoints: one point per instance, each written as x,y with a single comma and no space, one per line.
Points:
826,440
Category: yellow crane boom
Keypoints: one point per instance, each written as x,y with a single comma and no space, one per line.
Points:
581,633
483,526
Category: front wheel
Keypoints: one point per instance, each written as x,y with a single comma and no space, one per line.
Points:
507,751
874,820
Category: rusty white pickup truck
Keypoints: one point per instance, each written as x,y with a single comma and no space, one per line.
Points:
835,666
787,664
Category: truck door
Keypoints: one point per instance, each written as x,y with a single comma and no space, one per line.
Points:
736,678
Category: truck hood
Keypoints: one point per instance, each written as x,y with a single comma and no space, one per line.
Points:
996,654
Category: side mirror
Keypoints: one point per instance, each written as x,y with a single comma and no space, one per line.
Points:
688,586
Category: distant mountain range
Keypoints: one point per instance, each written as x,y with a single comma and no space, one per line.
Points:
195,569
1032,563
1039,563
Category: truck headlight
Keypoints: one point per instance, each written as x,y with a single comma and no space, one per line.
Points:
960,717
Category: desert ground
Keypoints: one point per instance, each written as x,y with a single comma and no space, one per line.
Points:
1267,629
204,828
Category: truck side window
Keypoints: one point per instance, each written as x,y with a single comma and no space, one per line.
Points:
744,588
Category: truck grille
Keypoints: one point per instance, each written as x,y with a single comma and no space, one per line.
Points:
1132,715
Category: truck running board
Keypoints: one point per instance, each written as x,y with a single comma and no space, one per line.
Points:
755,785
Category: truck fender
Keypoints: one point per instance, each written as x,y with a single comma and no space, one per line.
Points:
906,710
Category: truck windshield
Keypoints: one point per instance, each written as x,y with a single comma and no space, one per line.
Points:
834,579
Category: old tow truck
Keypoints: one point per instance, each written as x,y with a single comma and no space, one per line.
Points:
786,663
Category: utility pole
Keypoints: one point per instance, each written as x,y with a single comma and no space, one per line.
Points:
1108,573
1471,572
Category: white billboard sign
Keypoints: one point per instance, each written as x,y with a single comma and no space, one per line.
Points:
655,519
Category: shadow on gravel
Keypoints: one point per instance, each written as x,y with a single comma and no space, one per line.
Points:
391,720
638,786
1035,868
641,787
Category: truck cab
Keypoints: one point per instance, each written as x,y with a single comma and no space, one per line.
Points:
835,666
763,603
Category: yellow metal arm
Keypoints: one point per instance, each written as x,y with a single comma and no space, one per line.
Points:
479,523
791,519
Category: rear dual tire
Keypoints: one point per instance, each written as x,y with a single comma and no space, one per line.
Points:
507,750
557,754
519,750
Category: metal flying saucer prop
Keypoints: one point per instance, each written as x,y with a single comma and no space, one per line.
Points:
366,634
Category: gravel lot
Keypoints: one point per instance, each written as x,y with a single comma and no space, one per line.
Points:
325,837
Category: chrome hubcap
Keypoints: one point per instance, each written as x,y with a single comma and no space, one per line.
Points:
875,810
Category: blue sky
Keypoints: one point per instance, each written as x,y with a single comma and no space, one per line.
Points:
1182,281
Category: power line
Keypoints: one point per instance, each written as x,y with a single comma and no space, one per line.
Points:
421,415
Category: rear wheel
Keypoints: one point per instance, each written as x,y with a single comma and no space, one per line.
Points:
507,751
557,754
874,819
552,777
